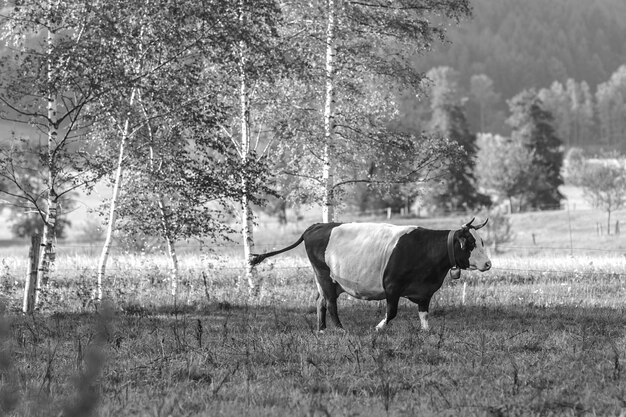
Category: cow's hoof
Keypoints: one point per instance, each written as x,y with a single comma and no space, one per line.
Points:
455,273
321,331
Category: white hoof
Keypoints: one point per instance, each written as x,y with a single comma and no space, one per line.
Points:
380,326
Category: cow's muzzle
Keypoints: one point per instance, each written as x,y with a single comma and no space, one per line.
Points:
484,267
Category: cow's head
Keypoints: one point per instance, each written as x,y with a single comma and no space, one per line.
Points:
473,252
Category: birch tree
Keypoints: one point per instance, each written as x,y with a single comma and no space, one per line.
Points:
247,217
147,40
364,50
328,160
128,39
184,170
259,63
51,73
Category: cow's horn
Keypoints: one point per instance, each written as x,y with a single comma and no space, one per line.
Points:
482,225
468,224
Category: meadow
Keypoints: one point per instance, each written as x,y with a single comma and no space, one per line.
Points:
541,334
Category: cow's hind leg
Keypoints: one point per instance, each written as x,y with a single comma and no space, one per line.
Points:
422,309
392,311
321,312
328,291
332,310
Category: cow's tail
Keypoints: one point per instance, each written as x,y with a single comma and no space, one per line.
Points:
256,259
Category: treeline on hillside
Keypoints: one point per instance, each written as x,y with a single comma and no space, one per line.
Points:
531,44
584,117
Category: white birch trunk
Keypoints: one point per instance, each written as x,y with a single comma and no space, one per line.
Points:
106,248
167,230
247,232
46,251
328,201
247,216
171,246
165,224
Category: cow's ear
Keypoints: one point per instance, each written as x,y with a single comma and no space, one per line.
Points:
462,242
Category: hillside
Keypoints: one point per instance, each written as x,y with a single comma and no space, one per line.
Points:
531,43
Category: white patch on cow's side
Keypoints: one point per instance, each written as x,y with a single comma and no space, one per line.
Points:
479,259
424,320
357,255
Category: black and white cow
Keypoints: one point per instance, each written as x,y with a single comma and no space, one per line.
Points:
374,261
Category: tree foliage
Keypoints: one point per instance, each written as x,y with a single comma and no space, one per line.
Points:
485,98
505,168
611,107
499,229
604,183
25,225
176,98
373,44
533,128
52,71
460,191
573,110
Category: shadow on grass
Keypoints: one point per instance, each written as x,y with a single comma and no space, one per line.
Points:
208,309
363,317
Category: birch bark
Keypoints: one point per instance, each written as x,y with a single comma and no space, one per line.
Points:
106,248
328,201
165,222
171,245
247,215
46,252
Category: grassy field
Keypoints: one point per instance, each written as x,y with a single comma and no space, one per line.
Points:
541,334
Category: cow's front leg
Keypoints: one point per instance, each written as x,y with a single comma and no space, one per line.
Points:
422,310
392,311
